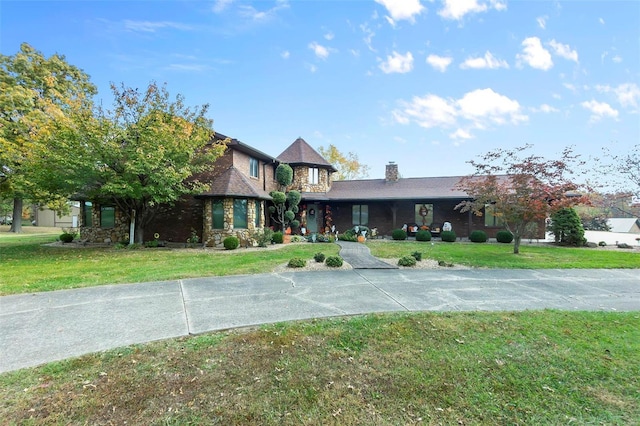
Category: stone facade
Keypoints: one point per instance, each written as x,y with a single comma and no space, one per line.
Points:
301,180
96,234
213,237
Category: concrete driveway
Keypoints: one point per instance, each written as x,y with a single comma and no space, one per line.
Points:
43,327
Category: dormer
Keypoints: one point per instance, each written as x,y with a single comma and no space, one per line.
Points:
311,172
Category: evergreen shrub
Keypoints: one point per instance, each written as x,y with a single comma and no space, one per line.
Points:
407,261
334,261
231,243
478,237
319,257
448,236
423,235
399,234
504,236
277,237
297,262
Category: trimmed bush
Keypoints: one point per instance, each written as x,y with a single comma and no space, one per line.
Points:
277,237
448,236
504,236
478,237
231,243
297,262
66,237
349,235
319,257
334,261
423,235
417,256
399,234
407,261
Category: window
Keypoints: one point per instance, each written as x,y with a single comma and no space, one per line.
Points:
217,221
423,214
314,175
254,167
360,214
258,213
87,211
491,217
239,213
107,216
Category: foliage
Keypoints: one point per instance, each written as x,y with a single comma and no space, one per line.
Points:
231,242
567,227
417,255
298,239
504,236
319,257
478,236
262,237
278,237
193,238
334,261
594,223
297,262
448,236
285,204
423,235
348,166
407,261
38,97
348,235
399,234
66,237
626,167
521,188
602,243
152,243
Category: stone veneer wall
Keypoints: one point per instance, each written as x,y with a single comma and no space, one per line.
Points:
95,234
215,237
301,180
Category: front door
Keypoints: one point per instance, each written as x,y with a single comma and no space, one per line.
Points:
312,218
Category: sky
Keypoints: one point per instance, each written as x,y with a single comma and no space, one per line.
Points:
426,84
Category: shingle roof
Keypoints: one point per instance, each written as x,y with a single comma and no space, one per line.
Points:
404,188
300,152
243,147
232,183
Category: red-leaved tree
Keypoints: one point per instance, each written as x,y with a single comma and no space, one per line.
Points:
521,188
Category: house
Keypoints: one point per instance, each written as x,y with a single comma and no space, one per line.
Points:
238,199
44,216
629,225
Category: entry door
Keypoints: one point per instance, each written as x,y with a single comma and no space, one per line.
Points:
312,218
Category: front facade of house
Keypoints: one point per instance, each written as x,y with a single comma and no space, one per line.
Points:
238,199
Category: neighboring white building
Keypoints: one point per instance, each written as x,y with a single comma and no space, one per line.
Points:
44,216
629,225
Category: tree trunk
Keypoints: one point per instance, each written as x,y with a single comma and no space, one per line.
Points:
139,231
516,243
16,224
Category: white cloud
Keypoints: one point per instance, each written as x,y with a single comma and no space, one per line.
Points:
320,51
601,21
534,55
402,9
439,63
487,61
617,59
311,67
599,110
152,27
457,9
564,50
220,5
546,108
627,94
397,63
571,87
266,15
285,54
329,36
542,21
369,34
478,109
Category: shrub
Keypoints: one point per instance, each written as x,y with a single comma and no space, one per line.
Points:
319,257
263,237
478,237
66,237
297,262
423,235
399,234
448,236
152,244
417,256
504,236
602,243
349,235
298,239
278,237
567,227
231,243
407,261
334,261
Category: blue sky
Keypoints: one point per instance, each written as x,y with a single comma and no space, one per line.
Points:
427,84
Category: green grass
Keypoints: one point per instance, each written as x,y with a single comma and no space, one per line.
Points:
528,368
496,255
29,266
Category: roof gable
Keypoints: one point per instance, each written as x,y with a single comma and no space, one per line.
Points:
300,152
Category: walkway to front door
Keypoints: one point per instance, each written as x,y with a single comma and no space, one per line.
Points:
359,256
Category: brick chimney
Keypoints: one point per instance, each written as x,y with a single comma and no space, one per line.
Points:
391,173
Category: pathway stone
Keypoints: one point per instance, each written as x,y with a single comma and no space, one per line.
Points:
359,256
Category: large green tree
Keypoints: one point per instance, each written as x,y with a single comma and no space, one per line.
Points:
147,151
37,95
521,188
348,165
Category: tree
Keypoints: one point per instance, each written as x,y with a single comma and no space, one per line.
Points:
285,204
522,189
37,94
567,227
147,152
626,167
347,166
